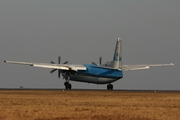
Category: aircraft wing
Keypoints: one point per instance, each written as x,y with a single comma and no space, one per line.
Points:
141,67
72,67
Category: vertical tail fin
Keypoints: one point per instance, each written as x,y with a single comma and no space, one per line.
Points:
117,59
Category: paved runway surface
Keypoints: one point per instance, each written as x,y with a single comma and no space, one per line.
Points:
130,90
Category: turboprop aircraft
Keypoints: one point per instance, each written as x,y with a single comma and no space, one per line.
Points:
92,73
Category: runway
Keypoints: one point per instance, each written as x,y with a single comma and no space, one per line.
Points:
78,104
120,90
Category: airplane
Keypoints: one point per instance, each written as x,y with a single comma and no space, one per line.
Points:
106,73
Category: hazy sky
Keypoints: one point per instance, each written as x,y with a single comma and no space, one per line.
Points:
81,31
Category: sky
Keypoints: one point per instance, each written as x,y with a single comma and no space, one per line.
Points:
81,31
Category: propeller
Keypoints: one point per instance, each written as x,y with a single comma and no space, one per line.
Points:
59,62
94,63
100,61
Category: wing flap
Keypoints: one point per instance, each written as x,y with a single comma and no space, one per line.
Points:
51,66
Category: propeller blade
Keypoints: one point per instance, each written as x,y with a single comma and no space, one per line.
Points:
53,70
52,62
65,62
100,60
59,60
94,63
59,73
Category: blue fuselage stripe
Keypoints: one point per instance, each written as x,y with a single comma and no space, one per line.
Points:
93,70
96,74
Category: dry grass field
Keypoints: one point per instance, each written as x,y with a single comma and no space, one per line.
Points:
88,105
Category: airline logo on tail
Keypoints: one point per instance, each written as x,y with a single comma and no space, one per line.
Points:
116,57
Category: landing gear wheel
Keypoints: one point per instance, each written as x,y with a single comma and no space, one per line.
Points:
109,87
67,85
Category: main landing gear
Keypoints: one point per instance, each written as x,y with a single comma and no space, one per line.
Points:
109,86
67,84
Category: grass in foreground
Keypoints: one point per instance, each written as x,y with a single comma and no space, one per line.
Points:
95,105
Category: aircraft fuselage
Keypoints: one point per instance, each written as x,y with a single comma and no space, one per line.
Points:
96,74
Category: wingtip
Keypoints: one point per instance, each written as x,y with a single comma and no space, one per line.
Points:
172,64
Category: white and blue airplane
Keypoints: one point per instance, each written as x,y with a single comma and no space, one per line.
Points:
92,73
